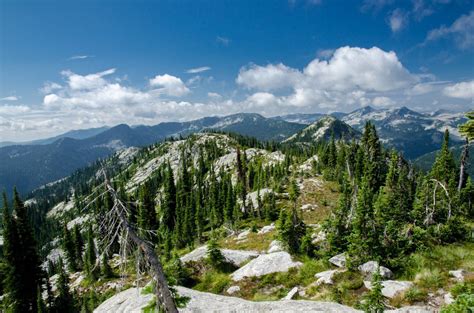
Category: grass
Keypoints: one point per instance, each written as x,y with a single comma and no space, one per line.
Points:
213,281
254,241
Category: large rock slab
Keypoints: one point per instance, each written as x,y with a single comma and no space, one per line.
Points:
266,264
391,288
339,260
235,257
128,301
413,309
326,277
369,268
203,302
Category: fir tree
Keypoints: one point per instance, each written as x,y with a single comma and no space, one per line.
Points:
69,249
106,269
168,208
64,302
146,213
90,257
374,299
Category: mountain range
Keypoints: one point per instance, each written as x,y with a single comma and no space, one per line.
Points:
30,165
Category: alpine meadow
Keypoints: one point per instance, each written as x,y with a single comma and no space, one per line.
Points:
237,156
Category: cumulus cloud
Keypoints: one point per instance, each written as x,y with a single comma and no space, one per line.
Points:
214,95
269,77
397,20
49,87
461,31
170,85
84,82
383,102
198,70
10,98
342,81
462,90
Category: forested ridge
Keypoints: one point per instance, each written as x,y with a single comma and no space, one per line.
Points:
367,203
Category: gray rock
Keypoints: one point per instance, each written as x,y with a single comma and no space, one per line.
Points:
266,264
275,246
236,257
243,235
369,268
458,274
391,288
200,302
338,260
325,277
233,289
129,301
267,229
448,298
413,309
291,294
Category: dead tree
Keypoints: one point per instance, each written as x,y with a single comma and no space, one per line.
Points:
118,228
462,165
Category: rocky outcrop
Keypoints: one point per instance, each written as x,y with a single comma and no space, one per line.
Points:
266,264
207,302
391,288
413,309
267,229
235,257
275,246
458,274
338,260
128,301
371,267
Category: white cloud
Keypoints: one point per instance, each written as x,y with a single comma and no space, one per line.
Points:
170,85
262,99
214,95
325,53
383,102
462,90
397,20
198,70
462,32
13,109
90,81
223,41
80,57
10,98
49,87
270,77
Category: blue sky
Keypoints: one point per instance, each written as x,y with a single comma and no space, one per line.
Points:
77,64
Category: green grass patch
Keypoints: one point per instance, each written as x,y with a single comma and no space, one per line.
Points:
214,282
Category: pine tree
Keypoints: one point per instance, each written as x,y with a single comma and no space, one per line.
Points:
41,307
69,249
64,302
215,257
374,299
78,244
168,208
22,260
106,269
146,213
90,257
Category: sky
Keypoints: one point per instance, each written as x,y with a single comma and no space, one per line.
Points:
80,64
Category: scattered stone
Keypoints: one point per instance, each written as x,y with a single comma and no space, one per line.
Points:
267,229
266,264
318,237
369,268
243,235
458,274
307,207
448,298
391,288
338,260
235,257
291,294
233,289
326,277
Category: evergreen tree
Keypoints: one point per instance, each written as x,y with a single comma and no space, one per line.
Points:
78,244
146,213
22,260
215,257
106,269
41,307
64,302
90,257
69,249
374,299
168,208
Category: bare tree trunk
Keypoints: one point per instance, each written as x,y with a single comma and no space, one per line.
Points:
163,293
464,157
